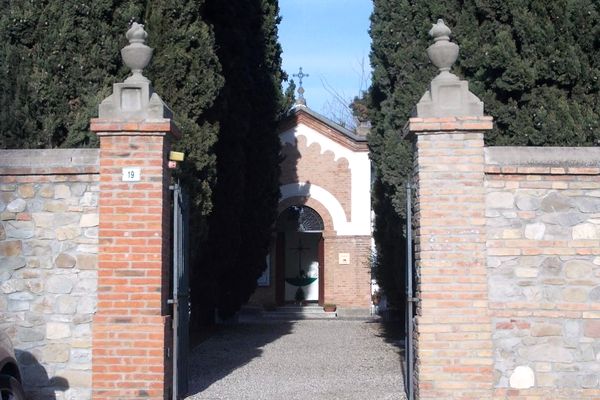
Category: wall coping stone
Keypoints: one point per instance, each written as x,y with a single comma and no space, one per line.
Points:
444,125
49,161
148,127
542,160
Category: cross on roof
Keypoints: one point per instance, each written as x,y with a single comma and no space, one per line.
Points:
300,75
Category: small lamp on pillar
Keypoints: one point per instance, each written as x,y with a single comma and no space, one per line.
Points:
174,158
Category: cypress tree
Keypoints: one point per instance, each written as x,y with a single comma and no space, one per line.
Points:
58,61
399,71
535,64
217,64
262,147
186,72
247,189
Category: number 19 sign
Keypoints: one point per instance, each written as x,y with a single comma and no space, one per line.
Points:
131,174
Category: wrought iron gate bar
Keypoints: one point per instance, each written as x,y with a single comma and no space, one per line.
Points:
180,296
410,300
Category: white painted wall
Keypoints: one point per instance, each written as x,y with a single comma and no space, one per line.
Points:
360,167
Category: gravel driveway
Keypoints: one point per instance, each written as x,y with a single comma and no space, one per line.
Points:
287,360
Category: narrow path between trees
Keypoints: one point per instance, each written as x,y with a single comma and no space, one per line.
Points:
307,359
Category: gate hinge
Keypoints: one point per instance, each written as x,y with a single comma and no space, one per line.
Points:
412,299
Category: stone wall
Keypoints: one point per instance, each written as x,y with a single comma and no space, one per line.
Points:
543,261
48,260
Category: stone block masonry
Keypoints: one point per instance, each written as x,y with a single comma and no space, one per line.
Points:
84,264
543,261
48,266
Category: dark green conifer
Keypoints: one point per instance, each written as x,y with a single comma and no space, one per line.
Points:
534,63
216,64
248,107
186,72
58,60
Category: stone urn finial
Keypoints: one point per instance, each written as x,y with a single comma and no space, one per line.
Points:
448,96
136,55
442,53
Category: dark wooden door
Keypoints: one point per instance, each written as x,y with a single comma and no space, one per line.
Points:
321,256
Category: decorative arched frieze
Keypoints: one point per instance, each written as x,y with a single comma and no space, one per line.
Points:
341,225
313,137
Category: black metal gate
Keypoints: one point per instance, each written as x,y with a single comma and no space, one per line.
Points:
410,300
180,299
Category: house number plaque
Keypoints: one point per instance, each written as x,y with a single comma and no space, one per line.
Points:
344,258
131,174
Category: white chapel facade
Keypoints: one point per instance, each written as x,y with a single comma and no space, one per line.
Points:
322,244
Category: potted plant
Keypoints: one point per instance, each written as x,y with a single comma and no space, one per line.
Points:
329,307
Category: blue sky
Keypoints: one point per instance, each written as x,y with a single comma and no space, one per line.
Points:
330,40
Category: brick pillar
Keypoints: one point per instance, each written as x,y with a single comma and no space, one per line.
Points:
131,329
454,348
453,328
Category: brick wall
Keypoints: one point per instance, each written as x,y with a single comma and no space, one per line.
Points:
543,239
453,346
48,266
348,285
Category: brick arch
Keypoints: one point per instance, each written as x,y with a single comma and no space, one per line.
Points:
312,203
326,200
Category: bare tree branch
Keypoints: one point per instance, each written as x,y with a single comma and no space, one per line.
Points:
338,107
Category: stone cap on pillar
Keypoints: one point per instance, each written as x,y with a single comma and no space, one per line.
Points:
133,105
447,124
154,127
448,96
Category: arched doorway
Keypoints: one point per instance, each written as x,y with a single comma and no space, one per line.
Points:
299,256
